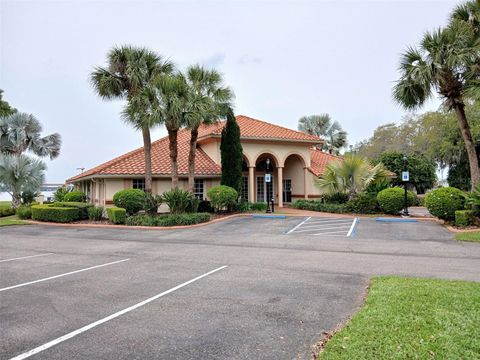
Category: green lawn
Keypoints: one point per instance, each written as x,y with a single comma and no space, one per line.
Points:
473,236
412,319
11,220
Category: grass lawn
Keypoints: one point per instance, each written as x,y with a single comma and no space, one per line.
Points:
5,204
412,319
473,236
11,220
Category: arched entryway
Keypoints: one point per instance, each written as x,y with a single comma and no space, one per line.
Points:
294,178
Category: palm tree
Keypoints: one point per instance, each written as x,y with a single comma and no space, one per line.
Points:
20,133
468,12
351,175
130,74
20,174
208,100
323,126
446,62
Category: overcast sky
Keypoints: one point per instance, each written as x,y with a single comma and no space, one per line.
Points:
283,59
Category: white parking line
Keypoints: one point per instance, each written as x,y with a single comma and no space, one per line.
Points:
296,227
108,318
352,227
325,228
312,224
61,275
25,257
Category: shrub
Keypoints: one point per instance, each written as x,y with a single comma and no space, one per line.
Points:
132,200
167,220
55,213
75,196
24,212
443,202
363,204
464,218
180,201
95,213
320,206
472,200
59,194
28,197
392,200
81,206
152,202
335,198
7,211
117,215
259,206
205,206
222,197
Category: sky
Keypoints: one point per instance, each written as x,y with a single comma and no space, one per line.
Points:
283,60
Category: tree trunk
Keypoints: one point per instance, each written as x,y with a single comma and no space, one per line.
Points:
469,144
16,199
172,138
191,158
147,146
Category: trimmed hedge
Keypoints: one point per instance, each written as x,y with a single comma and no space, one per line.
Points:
392,200
132,200
75,196
222,197
82,207
363,204
320,206
24,212
7,211
443,202
259,206
117,215
95,213
168,220
54,213
464,218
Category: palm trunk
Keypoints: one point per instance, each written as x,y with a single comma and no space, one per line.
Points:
172,138
469,144
17,194
147,146
191,158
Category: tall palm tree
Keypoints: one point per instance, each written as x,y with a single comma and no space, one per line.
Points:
446,62
351,175
130,75
207,100
470,13
323,126
20,133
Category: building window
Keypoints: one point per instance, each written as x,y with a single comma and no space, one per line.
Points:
139,184
198,189
245,187
260,189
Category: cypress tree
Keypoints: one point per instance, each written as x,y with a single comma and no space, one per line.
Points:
231,153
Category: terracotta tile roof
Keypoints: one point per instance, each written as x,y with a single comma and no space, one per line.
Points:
319,160
132,163
258,129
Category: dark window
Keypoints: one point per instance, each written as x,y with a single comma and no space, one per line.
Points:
198,188
245,188
139,184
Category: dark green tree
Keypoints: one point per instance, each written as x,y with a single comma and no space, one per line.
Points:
231,153
459,172
5,108
422,170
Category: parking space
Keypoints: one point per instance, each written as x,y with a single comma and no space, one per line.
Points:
241,289
344,227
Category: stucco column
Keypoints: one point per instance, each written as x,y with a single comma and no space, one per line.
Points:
251,184
280,186
305,182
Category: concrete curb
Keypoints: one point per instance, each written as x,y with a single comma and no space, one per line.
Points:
456,231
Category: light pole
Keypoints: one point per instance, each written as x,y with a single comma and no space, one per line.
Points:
405,178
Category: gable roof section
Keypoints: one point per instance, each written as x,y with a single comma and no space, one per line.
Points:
133,162
319,160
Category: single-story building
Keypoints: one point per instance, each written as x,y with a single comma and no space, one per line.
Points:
293,157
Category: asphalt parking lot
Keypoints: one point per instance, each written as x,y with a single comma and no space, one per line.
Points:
245,288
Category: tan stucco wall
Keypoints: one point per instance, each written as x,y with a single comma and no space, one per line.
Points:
212,149
112,186
294,170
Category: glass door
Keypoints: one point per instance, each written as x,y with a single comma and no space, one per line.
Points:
265,190
287,190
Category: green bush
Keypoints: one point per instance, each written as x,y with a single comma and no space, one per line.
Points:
167,220
363,204
54,213
222,197
152,202
335,198
205,206
59,194
95,213
472,200
464,218
24,212
258,206
320,206
28,197
443,202
132,200
180,201
81,206
117,215
392,200
75,196
7,211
